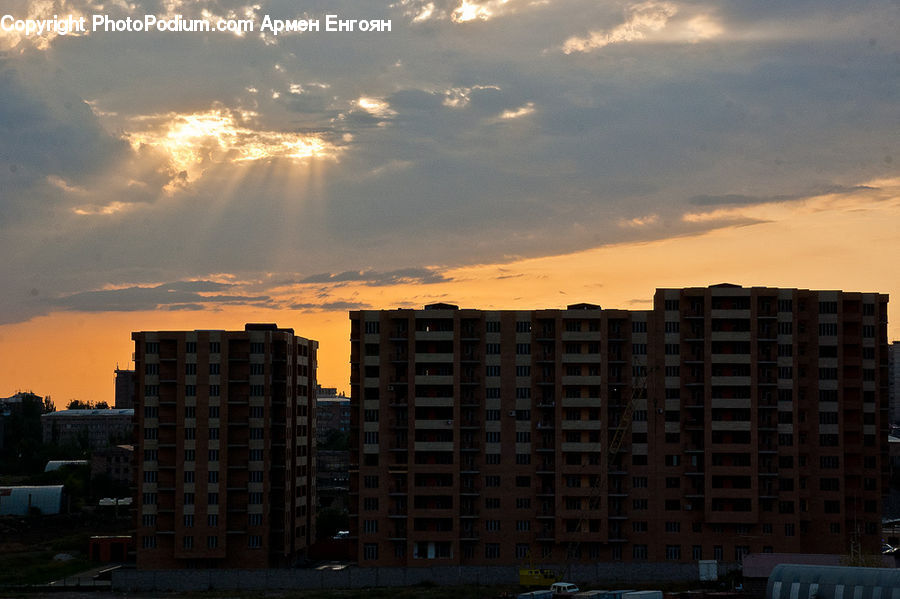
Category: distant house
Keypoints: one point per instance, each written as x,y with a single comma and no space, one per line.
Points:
57,464
100,428
20,501
114,462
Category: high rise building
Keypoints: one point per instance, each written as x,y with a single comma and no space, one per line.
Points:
725,420
225,460
894,382
125,389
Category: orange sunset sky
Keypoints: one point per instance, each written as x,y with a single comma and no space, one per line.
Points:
492,154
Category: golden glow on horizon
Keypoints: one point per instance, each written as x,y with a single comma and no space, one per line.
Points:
839,241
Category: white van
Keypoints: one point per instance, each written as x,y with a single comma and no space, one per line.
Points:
563,588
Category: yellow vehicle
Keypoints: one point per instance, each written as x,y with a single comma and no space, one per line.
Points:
537,577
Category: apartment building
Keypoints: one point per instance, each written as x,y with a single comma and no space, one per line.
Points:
225,447
723,421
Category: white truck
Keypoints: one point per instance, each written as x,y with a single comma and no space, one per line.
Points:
563,589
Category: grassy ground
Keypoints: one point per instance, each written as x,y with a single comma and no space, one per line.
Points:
27,545
37,567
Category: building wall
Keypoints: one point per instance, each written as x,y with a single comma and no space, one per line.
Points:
894,382
100,428
125,388
226,451
676,434
114,462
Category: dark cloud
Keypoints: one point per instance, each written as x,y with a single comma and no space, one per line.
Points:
184,295
420,276
330,306
738,199
790,100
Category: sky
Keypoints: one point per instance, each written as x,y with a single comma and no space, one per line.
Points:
489,153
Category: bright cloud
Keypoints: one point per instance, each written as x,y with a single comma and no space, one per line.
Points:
640,221
377,107
459,97
193,141
518,112
642,20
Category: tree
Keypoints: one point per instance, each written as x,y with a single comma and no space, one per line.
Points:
101,405
48,405
76,404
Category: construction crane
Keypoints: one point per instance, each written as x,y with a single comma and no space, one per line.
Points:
598,486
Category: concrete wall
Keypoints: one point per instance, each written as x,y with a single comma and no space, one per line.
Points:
127,580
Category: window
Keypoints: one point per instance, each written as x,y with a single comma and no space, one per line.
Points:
638,326
492,481
639,552
188,455
523,326
672,327
370,482
189,520
523,348
492,550
673,526
523,503
254,519
254,541
523,525
492,503
212,499
640,504
639,526
148,520
639,482
492,437
148,542
188,476
492,458
213,390
492,326
673,552
190,390
213,455
492,525
492,348
370,526
370,551
828,329
190,368
492,370
212,520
